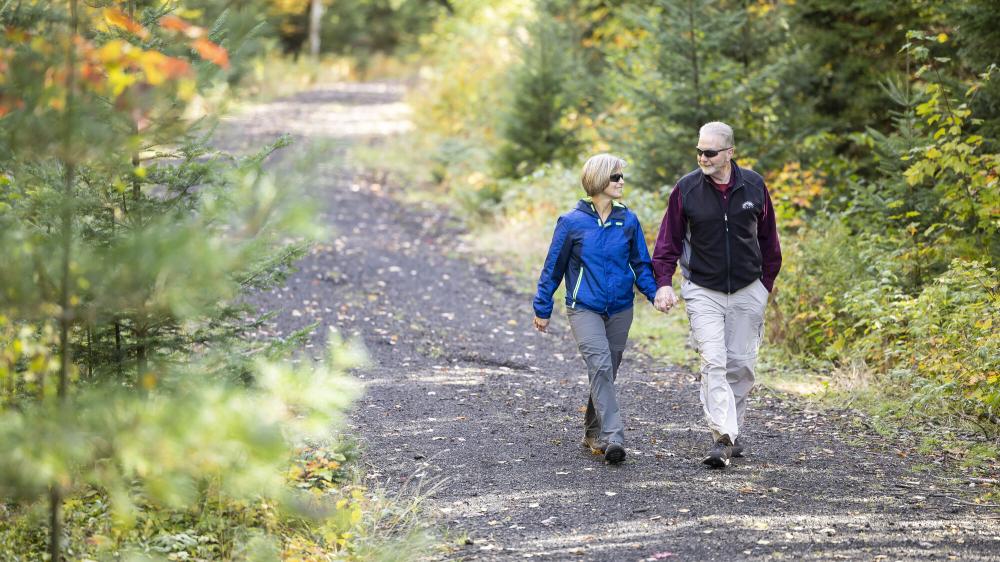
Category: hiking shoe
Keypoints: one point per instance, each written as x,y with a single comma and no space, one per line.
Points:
595,444
739,448
718,457
615,453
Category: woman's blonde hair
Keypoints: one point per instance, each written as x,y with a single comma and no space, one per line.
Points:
597,172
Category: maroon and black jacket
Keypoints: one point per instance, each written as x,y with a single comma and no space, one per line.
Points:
724,240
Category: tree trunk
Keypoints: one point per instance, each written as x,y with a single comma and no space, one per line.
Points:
746,36
66,314
141,356
55,525
695,72
315,22
118,346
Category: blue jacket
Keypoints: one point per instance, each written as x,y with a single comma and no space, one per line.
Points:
600,261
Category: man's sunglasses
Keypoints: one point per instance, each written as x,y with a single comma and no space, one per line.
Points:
617,177
711,153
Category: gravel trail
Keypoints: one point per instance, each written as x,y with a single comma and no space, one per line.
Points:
465,399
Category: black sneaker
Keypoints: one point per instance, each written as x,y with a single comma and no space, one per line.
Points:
615,453
718,457
739,448
595,444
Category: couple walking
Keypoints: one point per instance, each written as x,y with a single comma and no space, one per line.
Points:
719,226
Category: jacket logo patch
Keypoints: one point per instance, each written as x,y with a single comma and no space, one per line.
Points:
748,204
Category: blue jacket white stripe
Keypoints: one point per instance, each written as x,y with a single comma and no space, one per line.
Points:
600,261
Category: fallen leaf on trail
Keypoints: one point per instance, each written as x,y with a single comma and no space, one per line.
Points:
610,493
683,510
660,555
764,542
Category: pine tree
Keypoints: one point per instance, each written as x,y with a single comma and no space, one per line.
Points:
675,78
545,88
844,49
126,239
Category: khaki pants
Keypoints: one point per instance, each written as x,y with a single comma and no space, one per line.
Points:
727,331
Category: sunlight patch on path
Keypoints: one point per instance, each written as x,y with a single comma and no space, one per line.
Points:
336,113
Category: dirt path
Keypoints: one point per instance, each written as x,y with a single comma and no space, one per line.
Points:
465,396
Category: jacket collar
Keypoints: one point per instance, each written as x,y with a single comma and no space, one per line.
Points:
735,176
587,206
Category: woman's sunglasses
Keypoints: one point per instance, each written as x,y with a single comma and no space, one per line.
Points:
711,153
617,177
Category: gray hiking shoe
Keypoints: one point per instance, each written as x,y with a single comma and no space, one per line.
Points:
718,456
739,448
614,453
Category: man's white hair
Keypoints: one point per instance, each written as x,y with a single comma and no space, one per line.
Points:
719,129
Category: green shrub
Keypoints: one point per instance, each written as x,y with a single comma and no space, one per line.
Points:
545,88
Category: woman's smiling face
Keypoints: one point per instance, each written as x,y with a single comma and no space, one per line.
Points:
615,188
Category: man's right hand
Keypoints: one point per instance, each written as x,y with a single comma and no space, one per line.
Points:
541,324
665,299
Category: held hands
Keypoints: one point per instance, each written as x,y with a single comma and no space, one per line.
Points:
665,299
541,324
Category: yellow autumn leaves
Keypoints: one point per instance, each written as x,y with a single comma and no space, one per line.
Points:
110,68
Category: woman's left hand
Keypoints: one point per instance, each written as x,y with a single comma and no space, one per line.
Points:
541,324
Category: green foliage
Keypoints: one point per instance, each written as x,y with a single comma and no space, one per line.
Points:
676,72
847,49
354,28
906,282
545,87
470,54
976,24
131,392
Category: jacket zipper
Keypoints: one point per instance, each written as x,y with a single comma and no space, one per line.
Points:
725,222
577,288
729,259
603,224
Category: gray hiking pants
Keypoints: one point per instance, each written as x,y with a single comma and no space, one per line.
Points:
601,340
727,331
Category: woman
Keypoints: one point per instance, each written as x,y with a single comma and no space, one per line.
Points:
600,250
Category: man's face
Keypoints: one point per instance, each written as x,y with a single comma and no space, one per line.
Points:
713,164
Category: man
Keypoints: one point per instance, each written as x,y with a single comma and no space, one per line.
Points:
720,226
